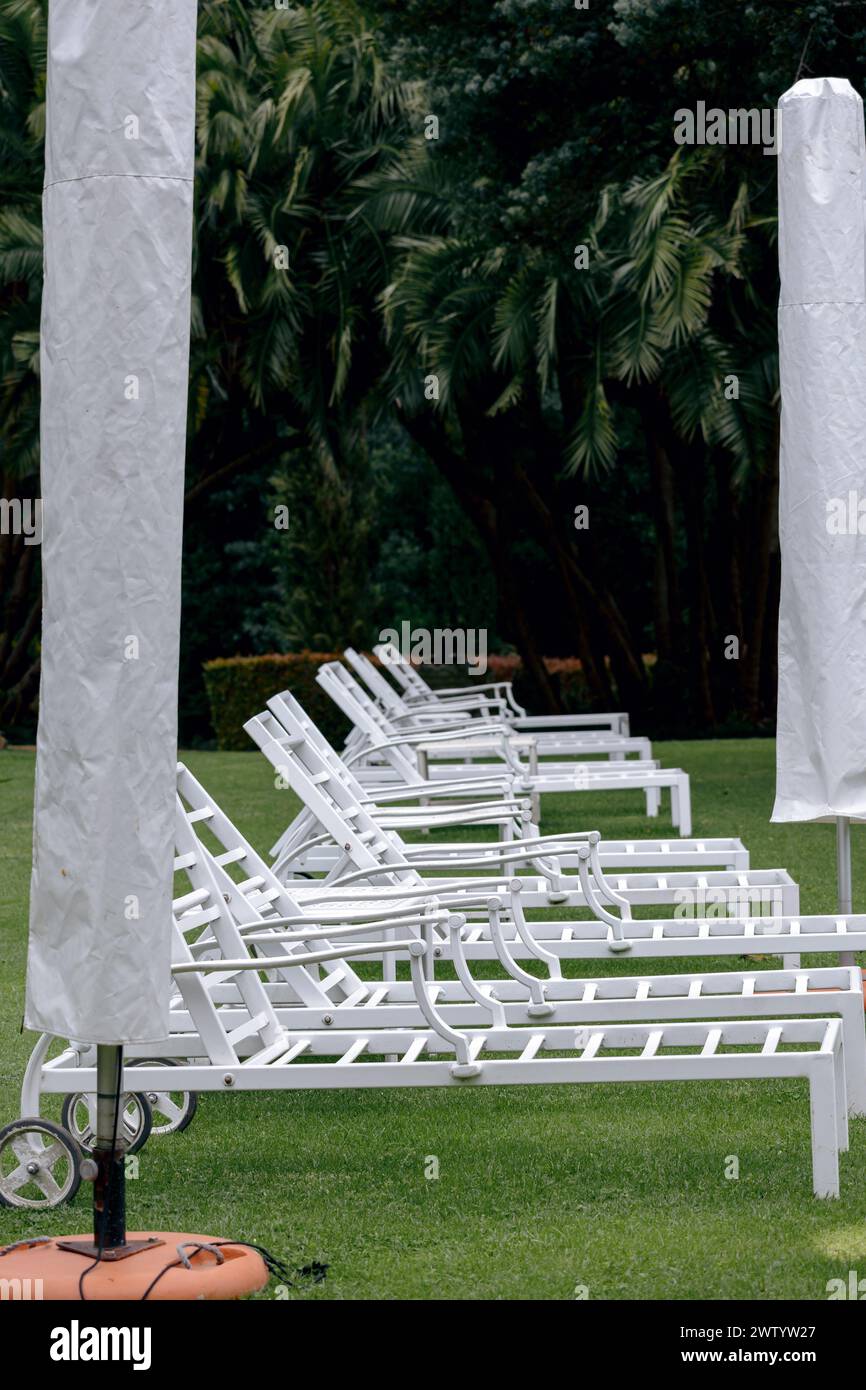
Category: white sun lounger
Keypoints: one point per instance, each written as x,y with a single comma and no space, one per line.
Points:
414,757
251,1047
371,855
470,713
303,849
254,897
499,693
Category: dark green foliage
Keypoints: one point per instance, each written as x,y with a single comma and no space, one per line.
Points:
453,258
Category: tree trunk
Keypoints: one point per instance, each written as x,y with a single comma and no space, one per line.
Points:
691,469
667,606
764,615
430,436
19,619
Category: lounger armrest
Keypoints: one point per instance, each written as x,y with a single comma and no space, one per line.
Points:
409,740
458,690
485,786
537,723
435,708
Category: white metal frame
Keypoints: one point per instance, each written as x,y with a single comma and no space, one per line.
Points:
356,837
413,757
480,710
373,856
257,895
501,695
328,1060
234,1031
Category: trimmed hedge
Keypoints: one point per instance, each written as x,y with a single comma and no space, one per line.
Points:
240,686
565,672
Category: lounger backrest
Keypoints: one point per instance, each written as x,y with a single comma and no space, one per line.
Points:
366,716
329,797
258,896
194,913
300,829
289,710
408,675
382,692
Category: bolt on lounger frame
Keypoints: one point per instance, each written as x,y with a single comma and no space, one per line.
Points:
400,748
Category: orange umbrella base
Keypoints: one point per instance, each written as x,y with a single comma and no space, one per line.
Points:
46,1272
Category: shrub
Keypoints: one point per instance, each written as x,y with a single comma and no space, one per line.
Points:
240,686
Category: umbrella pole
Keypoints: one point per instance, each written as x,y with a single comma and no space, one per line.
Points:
844,892
106,1168
109,1187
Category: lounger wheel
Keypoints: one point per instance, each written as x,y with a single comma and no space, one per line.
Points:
40,1165
79,1118
171,1111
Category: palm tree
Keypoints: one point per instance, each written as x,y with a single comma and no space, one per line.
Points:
301,131
539,365
686,334
303,135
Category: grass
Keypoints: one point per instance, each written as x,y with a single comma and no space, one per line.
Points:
620,1189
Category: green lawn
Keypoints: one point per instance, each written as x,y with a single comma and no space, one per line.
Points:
540,1189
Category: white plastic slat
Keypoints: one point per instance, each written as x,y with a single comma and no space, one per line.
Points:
294,1051
358,1046
532,1047
230,856
711,1042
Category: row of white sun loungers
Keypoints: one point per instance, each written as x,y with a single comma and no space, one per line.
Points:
323,968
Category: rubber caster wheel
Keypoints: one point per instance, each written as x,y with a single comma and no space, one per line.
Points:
40,1165
79,1118
172,1111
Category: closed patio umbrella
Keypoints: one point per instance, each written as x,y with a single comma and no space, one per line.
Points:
821,750
117,218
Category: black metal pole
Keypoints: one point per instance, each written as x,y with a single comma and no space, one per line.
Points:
109,1188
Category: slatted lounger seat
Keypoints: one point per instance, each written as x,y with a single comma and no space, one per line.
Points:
327,1060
